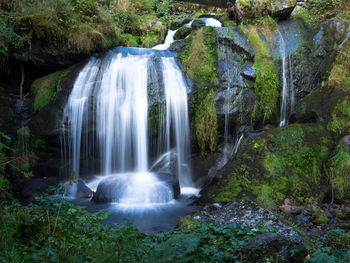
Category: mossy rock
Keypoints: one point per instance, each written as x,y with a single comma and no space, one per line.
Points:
279,163
330,105
248,10
46,88
200,65
182,33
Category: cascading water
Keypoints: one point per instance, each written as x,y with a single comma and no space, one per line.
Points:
107,113
287,103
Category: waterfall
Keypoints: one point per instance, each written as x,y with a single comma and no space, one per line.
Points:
177,116
106,118
287,102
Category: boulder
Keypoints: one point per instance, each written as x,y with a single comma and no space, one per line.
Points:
137,188
79,189
182,33
253,9
198,23
274,246
177,23
178,46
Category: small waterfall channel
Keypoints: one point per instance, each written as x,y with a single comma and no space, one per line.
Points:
106,122
288,96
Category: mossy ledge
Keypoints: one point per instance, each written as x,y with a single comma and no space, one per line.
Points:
46,88
280,163
200,65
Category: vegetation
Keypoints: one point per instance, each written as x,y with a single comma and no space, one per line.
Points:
320,10
54,230
200,65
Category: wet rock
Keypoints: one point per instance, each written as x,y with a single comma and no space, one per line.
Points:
116,188
282,9
198,23
273,246
80,188
176,23
178,46
182,33
248,72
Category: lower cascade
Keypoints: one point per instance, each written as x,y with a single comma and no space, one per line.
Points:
107,118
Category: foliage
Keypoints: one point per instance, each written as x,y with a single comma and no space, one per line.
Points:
54,230
320,10
200,65
332,247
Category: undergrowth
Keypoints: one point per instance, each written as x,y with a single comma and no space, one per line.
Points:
55,230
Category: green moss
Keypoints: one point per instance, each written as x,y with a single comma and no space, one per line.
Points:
282,162
340,121
200,65
150,39
266,83
321,219
46,88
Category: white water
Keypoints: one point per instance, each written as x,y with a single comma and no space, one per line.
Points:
107,113
287,103
169,39
177,117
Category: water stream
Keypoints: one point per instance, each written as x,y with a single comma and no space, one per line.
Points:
287,101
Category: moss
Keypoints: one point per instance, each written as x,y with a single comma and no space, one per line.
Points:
46,88
280,163
266,84
150,39
200,65
339,172
321,218
129,40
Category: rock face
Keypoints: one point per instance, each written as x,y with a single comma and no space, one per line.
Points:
234,95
